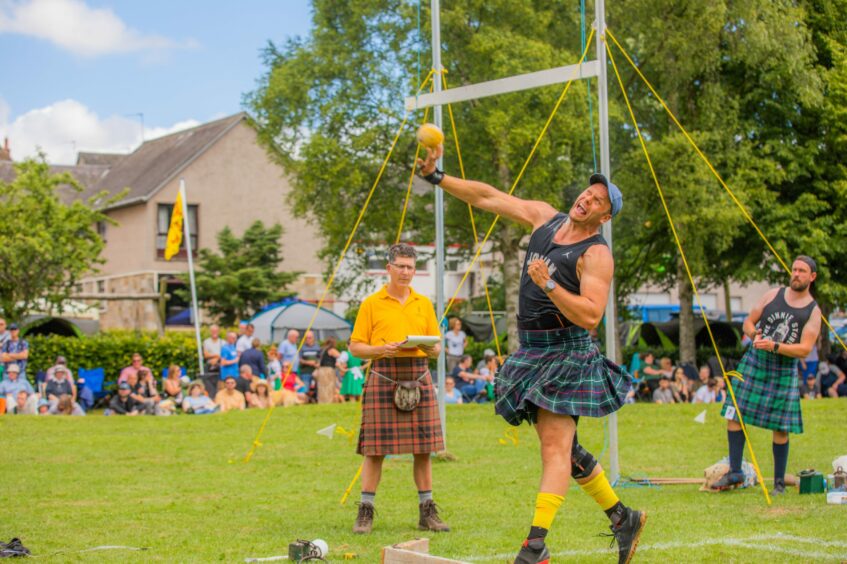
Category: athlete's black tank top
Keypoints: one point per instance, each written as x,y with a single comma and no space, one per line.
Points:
533,302
782,323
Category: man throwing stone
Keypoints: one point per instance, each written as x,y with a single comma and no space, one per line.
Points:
558,374
399,407
784,326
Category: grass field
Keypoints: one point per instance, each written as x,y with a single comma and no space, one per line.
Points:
177,486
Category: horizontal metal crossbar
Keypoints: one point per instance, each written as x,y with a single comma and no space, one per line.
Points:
515,83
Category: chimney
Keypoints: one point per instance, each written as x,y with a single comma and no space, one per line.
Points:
5,154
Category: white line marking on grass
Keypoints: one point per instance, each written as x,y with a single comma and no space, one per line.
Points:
747,542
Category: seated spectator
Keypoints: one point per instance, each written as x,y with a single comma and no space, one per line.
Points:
679,385
59,385
487,373
664,393
261,396
123,403
60,361
487,354
66,406
808,387
451,394
244,383
468,383
230,398
650,373
839,359
720,390
293,391
85,397
43,407
197,402
254,358
136,365
146,391
833,383
12,384
702,379
173,384
707,393
666,367
25,404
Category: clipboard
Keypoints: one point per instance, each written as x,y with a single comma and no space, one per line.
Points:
412,341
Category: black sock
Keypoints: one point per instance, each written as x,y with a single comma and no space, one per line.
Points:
537,533
736,449
616,513
780,461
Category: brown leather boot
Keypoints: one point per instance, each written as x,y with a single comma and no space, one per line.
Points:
429,520
365,519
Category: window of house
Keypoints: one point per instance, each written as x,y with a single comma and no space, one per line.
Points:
101,230
101,286
163,223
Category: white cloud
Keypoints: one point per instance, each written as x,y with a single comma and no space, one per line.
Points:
83,30
63,128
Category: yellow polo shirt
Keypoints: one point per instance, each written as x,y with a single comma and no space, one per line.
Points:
382,319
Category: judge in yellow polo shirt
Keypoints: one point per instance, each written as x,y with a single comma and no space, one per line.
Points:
399,405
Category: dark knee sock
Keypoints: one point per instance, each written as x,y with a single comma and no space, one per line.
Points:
736,449
537,533
780,460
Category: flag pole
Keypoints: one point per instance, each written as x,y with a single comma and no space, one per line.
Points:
194,307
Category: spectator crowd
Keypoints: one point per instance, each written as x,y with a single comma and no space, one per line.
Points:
240,375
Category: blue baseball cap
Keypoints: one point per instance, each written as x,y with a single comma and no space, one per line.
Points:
615,195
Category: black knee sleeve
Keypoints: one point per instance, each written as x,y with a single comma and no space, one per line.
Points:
582,462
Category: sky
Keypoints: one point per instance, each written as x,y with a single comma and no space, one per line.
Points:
75,75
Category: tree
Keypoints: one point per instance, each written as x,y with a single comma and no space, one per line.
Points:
244,276
46,245
735,73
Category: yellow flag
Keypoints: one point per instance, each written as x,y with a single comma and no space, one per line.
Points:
175,230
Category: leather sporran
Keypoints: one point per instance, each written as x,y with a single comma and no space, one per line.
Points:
407,394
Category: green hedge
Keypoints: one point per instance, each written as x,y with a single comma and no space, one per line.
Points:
113,351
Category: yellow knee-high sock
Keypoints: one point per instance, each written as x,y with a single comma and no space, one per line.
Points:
601,490
546,506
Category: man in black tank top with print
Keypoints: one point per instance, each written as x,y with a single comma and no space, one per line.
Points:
558,374
784,327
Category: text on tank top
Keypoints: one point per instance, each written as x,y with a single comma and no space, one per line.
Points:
561,261
782,323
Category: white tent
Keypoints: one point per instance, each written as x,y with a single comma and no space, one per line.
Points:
272,324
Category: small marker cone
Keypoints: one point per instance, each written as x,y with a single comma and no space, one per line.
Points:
328,432
701,418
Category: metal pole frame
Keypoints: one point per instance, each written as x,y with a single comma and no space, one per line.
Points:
439,218
191,276
512,84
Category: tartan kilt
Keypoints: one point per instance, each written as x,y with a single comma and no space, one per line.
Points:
387,430
562,371
769,396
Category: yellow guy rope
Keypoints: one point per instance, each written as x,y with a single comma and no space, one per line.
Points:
687,270
473,225
412,175
705,159
518,179
256,442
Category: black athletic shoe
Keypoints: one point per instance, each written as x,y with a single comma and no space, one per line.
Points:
729,481
778,487
627,532
533,551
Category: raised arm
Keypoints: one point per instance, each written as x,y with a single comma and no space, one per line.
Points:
484,196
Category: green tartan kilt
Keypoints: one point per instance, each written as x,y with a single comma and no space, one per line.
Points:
769,396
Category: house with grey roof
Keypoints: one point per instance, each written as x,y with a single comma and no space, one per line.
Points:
230,181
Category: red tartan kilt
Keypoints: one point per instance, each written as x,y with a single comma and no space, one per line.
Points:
387,430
